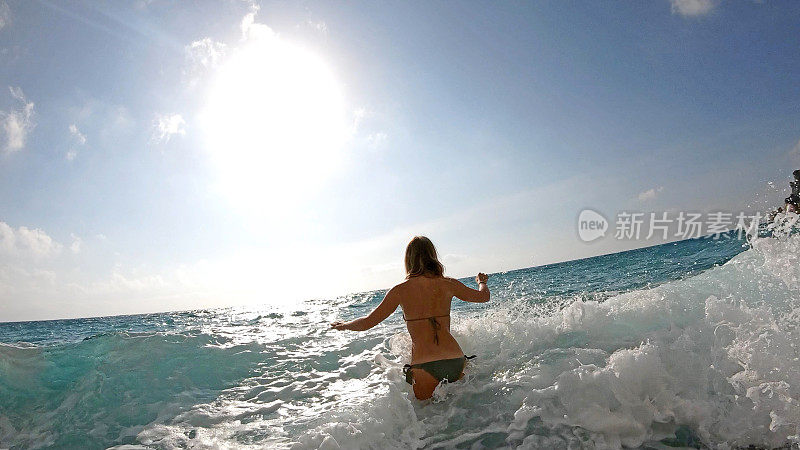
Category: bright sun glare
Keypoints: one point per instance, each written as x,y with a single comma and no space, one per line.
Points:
274,122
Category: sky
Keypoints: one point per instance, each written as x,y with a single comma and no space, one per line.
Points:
159,155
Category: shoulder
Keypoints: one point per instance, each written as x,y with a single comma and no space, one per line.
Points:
451,281
397,289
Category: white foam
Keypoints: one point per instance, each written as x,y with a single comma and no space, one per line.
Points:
717,353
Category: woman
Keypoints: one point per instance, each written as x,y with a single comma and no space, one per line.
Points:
425,299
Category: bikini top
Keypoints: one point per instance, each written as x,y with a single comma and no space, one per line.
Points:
434,323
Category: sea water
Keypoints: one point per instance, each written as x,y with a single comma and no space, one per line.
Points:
688,344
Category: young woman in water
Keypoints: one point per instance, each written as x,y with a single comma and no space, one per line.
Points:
425,298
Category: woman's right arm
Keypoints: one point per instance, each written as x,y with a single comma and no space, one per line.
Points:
480,295
389,304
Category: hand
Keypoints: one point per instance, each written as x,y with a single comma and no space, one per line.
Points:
339,326
481,277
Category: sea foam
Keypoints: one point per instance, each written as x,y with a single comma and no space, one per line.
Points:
647,349
711,359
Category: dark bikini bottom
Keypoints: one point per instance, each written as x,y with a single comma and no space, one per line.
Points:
442,370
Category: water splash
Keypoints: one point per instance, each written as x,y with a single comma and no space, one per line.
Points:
693,343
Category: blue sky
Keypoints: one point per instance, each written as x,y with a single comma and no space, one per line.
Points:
154,156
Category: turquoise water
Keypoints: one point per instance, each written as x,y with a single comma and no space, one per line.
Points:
692,344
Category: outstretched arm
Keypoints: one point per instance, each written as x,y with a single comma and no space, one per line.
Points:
480,295
378,315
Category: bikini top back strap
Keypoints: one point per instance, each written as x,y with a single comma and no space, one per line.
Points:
436,326
424,318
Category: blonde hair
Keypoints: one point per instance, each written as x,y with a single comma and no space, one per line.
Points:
421,258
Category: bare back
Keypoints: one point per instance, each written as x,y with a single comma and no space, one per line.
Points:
422,298
425,301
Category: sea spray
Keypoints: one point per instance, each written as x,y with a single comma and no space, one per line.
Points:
715,354
691,343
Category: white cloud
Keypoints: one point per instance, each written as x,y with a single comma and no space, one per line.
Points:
142,4
120,119
650,194
167,125
253,30
454,258
202,55
80,138
320,26
37,282
376,140
367,127
75,247
16,123
5,14
367,123
116,119
692,8
47,289
206,53
26,243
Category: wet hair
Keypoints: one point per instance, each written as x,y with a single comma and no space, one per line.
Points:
796,174
421,258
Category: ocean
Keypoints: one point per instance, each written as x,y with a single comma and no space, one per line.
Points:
692,344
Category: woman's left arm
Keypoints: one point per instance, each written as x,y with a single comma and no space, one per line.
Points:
386,308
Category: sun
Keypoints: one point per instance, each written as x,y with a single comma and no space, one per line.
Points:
274,122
